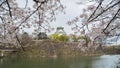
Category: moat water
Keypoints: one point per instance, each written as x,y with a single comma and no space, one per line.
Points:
105,61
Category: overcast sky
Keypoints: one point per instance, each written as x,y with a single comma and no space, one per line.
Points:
72,10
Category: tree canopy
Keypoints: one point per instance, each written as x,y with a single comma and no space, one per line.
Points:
14,19
99,20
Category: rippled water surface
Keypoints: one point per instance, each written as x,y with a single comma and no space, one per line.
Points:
105,61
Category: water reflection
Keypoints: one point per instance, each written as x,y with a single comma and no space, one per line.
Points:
1,61
105,61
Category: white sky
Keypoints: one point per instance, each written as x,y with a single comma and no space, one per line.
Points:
72,10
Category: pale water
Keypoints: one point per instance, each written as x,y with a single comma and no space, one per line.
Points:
105,61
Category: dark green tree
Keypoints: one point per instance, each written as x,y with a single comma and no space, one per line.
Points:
42,35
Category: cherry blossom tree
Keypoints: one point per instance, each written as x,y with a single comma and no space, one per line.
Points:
14,18
99,21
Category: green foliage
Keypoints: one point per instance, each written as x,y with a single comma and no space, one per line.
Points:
60,37
86,38
81,37
75,38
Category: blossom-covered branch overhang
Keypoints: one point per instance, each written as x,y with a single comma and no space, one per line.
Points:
100,19
14,18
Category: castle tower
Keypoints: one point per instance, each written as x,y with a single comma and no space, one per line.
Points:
60,30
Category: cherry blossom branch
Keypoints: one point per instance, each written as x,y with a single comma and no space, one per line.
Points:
2,3
4,8
10,13
1,19
29,16
95,10
4,29
110,3
26,3
113,28
111,20
20,43
104,11
118,36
